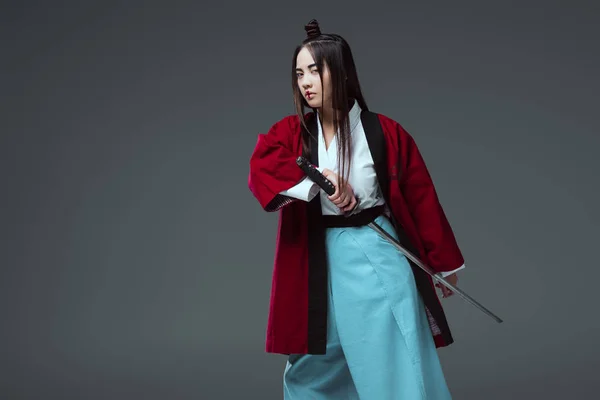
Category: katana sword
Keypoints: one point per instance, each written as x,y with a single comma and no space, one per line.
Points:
316,176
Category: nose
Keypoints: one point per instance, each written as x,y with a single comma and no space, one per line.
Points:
305,82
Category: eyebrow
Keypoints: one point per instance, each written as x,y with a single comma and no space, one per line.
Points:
309,67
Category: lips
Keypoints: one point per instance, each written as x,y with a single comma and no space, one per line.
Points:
310,95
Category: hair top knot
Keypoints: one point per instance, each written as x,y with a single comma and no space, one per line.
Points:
312,29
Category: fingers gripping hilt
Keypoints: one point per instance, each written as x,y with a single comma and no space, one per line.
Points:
315,175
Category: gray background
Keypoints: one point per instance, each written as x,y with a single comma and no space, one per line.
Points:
135,262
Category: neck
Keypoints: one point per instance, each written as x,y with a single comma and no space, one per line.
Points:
326,113
326,116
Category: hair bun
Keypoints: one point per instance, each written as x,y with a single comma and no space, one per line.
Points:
312,29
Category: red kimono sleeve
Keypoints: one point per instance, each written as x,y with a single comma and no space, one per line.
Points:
273,167
416,184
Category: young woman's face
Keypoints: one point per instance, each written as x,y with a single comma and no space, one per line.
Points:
315,92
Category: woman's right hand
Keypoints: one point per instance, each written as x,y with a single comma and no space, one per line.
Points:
345,200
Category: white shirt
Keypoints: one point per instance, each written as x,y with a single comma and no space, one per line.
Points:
362,176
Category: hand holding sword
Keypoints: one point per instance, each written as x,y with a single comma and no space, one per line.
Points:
345,200
448,284
453,280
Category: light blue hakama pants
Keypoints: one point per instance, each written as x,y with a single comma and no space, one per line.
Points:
379,344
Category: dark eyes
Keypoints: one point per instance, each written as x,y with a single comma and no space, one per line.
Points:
300,73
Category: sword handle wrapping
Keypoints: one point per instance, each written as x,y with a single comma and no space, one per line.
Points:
315,175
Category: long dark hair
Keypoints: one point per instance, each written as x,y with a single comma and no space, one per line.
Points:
331,50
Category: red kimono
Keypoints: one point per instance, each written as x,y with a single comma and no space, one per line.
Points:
297,320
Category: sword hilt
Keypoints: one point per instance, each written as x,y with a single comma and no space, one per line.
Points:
315,175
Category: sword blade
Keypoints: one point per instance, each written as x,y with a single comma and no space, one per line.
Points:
431,272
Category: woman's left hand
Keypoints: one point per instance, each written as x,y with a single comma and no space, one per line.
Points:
451,279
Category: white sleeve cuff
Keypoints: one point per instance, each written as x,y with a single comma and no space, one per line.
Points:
446,273
305,190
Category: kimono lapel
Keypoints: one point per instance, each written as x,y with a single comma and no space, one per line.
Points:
377,146
317,261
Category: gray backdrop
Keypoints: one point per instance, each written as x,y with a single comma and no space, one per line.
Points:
137,265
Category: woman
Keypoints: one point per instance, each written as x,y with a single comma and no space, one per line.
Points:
356,318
